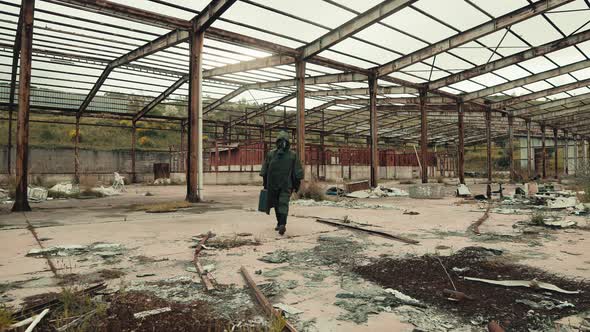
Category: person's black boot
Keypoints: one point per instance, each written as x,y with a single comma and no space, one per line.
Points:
282,229
276,227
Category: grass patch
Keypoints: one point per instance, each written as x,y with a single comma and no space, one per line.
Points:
163,207
5,318
233,242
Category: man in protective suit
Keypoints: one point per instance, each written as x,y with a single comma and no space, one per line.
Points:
282,175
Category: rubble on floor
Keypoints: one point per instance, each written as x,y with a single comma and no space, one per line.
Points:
378,193
66,188
104,250
162,181
426,191
37,194
344,203
463,191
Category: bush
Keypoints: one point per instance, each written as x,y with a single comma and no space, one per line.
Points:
311,190
537,218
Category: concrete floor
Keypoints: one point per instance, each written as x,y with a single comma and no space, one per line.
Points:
230,209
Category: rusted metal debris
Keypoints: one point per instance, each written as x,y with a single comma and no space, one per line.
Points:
455,295
476,224
206,277
264,302
336,223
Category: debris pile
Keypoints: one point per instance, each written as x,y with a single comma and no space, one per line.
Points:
486,277
103,250
378,193
347,204
426,191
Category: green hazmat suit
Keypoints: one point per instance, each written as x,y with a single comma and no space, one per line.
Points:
282,174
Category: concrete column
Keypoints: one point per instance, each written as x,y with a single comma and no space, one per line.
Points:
511,147
575,155
374,131
77,152
489,150
133,150
194,173
544,156
529,162
461,147
24,98
300,77
566,153
585,152
555,147
423,136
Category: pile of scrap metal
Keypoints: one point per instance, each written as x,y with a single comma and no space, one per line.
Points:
546,195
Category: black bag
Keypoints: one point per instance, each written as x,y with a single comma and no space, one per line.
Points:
263,201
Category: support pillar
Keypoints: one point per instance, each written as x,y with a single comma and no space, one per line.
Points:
300,78
374,131
575,155
555,159
461,147
511,147
24,97
133,148
194,173
489,150
585,153
529,163
77,152
423,136
566,153
544,153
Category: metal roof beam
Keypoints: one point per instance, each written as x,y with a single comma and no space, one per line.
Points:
353,26
510,60
567,102
147,108
479,31
541,94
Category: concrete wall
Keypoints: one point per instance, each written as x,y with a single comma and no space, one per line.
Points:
58,163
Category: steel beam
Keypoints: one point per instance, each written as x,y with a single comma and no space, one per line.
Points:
423,136
474,33
262,109
314,80
199,23
270,61
544,152
223,100
147,108
133,151
526,80
560,113
461,140
195,120
511,147
15,56
529,162
300,78
77,152
362,21
488,115
21,203
374,176
389,90
566,102
541,94
555,147
510,60
566,153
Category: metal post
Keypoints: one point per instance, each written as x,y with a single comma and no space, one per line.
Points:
423,136
374,131
77,152
529,163
575,155
24,97
511,147
300,77
133,147
544,152
555,147
585,153
195,163
489,150
15,55
566,154
461,147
